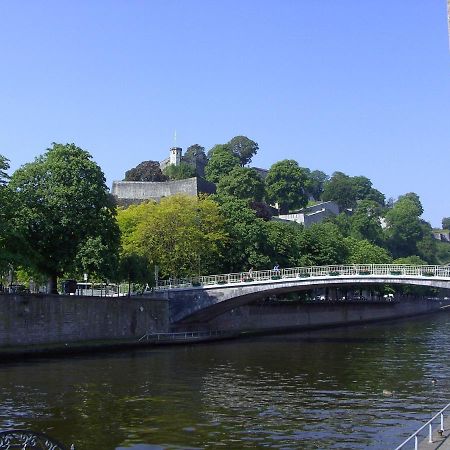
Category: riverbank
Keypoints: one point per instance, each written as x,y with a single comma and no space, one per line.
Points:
60,325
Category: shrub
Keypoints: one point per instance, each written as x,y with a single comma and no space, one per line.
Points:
364,272
395,272
276,277
221,282
196,283
304,275
334,274
428,274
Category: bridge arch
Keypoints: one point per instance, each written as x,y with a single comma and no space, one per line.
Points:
203,298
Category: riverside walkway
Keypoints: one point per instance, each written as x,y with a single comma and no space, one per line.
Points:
437,431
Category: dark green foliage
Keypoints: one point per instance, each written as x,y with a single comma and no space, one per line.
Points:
244,148
180,172
221,162
67,213
365,222
247,244
286,185
134,268
341,190
404,228
315,183
446,223
12,248
146,171
243,183
195,156
283,243
322,244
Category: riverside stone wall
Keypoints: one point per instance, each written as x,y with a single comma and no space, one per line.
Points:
279,316
45,319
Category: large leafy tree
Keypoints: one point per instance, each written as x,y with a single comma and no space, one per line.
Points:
180,172
10,228
221,162
196,157
362,251
283,243
404,229
247,244
322,244
365,222
182,235
68,213
315,183
446,223
146,171
243,183
341,190
286,185
244,148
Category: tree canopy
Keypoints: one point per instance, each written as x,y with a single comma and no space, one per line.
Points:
286,185
244,148
146,171
446,223
67,213
182,235
221,162
243,183
180,172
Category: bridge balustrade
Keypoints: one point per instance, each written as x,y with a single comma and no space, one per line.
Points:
370,270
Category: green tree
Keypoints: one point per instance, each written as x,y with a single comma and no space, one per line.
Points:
362,251
134,269
12,250
244,148
247,244
413,260
446,223
145,171
64,204
195,156
404,229
322,244
315,183
243,183
182,235
286,185
283,243
340,189
221,162
180,172
365,222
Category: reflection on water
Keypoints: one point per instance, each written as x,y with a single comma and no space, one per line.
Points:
364,387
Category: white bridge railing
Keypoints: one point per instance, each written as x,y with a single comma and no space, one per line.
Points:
334,271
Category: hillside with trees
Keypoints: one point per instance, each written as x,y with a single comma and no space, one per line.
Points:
58,221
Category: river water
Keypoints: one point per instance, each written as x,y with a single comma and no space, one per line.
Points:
352,388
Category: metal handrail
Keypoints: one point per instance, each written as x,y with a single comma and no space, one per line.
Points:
389,270
183,335
430,430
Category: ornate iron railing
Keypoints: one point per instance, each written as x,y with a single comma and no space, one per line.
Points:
26,439
335,271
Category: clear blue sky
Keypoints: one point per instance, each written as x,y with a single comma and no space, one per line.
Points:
358,86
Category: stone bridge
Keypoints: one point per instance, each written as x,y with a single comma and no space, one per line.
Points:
200,299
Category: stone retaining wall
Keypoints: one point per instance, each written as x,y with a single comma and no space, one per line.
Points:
45,319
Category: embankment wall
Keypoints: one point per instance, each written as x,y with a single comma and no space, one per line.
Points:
279,316
44,319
